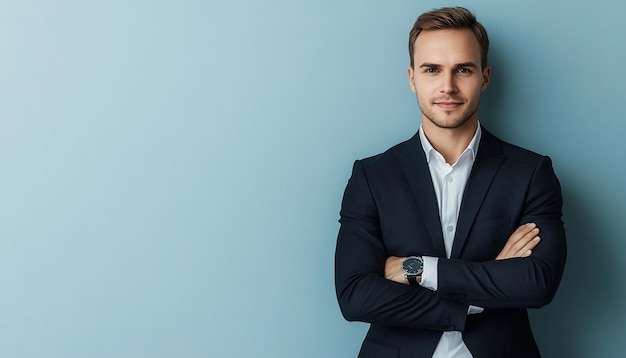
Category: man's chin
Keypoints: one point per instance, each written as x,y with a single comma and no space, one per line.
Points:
450,123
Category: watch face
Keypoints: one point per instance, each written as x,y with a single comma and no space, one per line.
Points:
412,266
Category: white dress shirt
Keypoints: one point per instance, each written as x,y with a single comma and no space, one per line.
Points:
449,182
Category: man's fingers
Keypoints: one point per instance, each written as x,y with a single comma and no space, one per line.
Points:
519,234
530,246
521,242
523,231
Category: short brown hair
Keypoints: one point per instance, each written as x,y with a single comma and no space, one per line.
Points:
450,18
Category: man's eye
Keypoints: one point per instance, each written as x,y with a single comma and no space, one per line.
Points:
464,70
431,70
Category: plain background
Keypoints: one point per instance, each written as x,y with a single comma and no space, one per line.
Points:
171,171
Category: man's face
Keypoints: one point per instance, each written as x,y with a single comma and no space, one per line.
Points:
447,77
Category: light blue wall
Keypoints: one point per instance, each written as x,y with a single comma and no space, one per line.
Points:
171,171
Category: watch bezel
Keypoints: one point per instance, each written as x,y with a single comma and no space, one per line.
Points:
408,270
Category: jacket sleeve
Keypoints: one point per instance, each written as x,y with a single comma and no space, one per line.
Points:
362,291
529,282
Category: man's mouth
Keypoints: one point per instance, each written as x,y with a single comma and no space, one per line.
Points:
448,104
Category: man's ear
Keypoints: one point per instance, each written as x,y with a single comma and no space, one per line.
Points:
411,75
486,77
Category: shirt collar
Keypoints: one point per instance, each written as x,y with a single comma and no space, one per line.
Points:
472,148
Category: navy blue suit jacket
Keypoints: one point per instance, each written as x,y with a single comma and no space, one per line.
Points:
390,208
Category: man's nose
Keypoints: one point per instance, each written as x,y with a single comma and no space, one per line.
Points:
448,83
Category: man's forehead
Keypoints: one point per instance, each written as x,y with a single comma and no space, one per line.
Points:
458,44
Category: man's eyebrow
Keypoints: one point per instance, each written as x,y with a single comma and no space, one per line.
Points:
467,64
458,65
429,65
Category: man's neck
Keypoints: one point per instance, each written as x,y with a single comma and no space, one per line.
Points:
450,142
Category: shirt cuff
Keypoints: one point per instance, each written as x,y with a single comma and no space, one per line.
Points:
429,273
475,310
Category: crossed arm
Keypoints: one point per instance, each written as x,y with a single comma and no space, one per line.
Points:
520,244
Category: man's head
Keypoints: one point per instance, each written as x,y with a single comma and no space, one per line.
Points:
449,69
450,18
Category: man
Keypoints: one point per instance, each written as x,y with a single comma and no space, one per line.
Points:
439,245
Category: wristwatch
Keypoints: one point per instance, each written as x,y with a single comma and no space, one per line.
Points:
412,268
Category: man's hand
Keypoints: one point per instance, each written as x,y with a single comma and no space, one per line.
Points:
393,269
521,242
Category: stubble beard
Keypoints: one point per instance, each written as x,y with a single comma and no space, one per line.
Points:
452,122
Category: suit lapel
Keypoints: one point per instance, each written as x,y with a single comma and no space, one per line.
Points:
413,162
488,161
